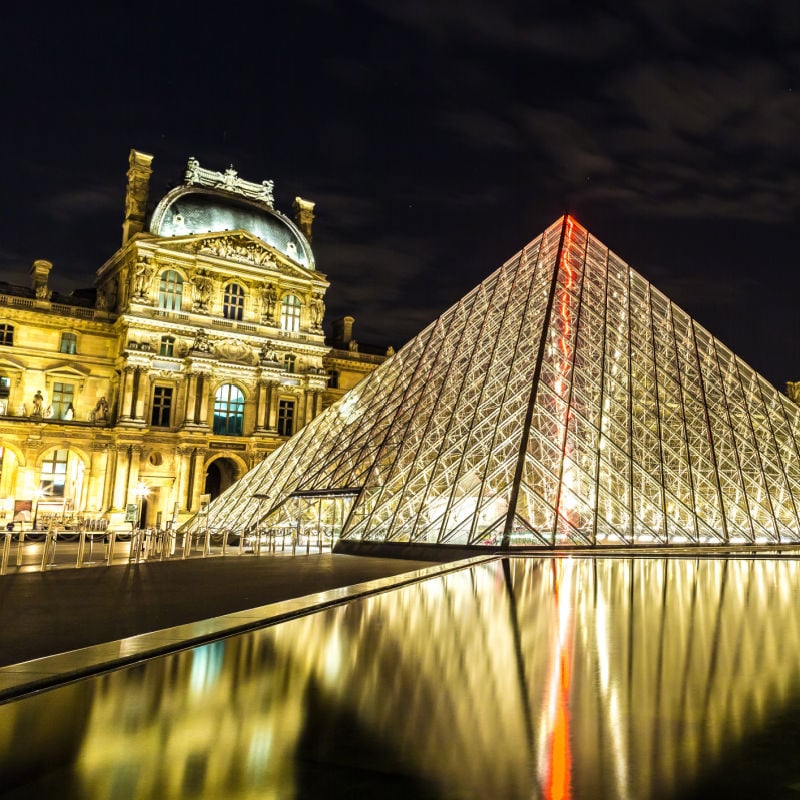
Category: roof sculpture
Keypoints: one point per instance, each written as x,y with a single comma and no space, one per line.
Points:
563,401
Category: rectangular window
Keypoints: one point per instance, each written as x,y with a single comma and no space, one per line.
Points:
7,335
285,417
69,343
162,407
289,362
62,397
167,346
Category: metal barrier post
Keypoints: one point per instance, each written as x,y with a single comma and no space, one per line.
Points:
133,554
224,541
81,548
257,548
187,543
45,550
241,543
110,552
52,535
308,543
19,545
6,553
91,549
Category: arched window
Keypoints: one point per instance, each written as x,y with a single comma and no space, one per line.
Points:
233,301
290,313
54,473
228,410
170,290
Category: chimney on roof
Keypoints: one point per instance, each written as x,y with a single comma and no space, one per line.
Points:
343,331
139,173
40,271
304,216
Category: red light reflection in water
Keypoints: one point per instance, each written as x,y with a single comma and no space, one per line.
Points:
556,765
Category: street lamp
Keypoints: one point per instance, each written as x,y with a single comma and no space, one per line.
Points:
140,492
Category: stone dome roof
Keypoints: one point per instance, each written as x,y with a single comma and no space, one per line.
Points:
198,209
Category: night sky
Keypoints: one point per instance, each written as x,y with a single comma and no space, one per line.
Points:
436,138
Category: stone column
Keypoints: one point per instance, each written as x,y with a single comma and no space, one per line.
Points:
191,393
108,485
261,391
203,383
183,457
142,393
199,479
270,415
125,394
133,473
123,460
97,473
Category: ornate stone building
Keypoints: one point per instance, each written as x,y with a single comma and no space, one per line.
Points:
200,350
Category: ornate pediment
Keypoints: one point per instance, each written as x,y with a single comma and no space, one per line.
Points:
68,372
241,247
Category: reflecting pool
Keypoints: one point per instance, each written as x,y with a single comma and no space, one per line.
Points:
526,678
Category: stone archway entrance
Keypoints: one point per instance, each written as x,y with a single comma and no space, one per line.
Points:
220,474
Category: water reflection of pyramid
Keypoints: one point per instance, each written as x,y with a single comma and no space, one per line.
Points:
562,401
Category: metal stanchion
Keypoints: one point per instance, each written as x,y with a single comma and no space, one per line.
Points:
91,549
207,543
19,546
241,543
45,550
52,534
187,544
81,548
6,553
166,538
224,541
133,554
110,551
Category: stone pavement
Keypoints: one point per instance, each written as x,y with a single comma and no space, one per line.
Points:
45,613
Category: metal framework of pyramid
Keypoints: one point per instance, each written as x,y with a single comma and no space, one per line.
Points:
563,401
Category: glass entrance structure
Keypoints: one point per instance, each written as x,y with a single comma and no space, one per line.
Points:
563,401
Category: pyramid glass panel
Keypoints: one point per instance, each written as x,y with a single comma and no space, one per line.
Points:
563,402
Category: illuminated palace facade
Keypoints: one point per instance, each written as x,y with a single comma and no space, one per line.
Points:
199,351
564,401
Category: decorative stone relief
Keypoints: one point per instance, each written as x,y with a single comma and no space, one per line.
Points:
229,181
238,248
235,350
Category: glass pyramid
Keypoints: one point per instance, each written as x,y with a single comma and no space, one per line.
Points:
563,401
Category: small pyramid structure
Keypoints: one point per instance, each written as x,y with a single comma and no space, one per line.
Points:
563,401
